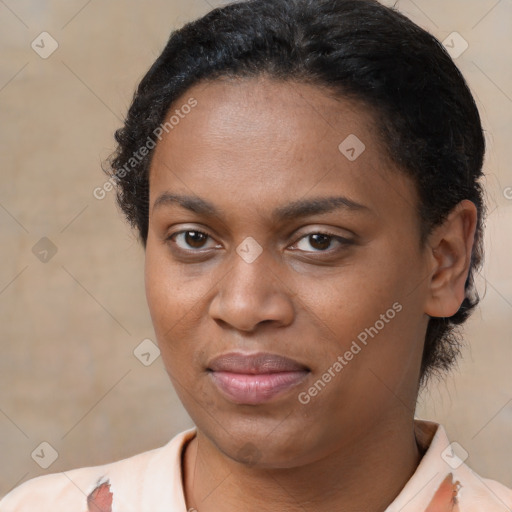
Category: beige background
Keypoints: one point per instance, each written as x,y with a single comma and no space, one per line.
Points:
69,326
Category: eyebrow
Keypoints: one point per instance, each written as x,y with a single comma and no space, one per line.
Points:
296,209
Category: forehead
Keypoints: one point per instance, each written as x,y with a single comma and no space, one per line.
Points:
259,140
266,109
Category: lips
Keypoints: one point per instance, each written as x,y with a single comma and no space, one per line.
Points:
255,378
254,364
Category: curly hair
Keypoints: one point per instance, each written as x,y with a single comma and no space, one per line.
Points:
423,109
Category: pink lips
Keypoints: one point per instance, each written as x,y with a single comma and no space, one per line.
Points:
255,378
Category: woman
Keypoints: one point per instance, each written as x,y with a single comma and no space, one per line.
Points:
304,177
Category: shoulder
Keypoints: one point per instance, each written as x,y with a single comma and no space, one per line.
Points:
442,478
496,491
122,482
476,492
71,490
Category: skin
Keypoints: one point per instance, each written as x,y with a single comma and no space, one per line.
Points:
249,147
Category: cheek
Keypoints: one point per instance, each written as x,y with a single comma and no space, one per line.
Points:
352,297
376,302
176,302
164,294
157,286
168,293
390,325
166,311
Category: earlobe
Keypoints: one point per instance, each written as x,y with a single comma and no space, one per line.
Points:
450,246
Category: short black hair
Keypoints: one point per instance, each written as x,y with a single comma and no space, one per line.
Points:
423,109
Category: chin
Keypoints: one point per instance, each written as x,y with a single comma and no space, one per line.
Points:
262,446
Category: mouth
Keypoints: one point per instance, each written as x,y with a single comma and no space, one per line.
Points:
255,378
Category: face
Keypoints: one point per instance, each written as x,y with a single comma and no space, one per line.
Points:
284,275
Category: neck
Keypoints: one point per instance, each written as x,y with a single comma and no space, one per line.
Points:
368,475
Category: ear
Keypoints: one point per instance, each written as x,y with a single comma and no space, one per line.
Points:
449,253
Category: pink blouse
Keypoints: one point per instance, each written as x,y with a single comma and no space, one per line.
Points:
152,482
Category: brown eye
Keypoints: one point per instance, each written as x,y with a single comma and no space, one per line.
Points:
321,242
189,239
195,239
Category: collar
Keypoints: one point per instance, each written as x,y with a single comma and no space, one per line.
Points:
442,481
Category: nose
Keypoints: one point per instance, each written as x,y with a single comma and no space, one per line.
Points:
251,294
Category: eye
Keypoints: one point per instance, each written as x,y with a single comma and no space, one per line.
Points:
190,239
320,242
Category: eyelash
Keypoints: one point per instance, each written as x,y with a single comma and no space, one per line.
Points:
342,241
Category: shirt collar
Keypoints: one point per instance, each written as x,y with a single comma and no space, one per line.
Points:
441,482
